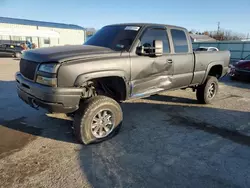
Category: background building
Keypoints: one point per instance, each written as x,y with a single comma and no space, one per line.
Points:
43,34
201,38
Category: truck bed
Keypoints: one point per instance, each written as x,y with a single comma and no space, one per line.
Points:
204,60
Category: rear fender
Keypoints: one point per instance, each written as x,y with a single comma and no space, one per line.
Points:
210,65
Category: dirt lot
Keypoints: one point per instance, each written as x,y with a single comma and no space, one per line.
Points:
166,140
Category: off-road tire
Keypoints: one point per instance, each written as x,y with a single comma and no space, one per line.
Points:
202,90
84,116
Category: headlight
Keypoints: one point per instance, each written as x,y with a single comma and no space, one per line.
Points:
46,81
49,68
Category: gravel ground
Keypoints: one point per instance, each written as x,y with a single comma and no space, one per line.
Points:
167,140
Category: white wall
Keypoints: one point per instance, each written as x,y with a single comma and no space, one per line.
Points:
5,25
67,36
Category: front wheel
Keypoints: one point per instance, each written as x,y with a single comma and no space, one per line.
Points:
206,93
17,55
97,119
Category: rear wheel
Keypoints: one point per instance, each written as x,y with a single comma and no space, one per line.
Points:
97,119
206,93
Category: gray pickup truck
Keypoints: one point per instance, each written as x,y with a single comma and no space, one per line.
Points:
118,63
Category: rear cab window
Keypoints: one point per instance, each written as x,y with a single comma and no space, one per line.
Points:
179,41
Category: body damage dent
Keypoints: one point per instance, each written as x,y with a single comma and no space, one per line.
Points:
158,83
156,67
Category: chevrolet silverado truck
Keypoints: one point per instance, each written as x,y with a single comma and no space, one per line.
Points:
118,63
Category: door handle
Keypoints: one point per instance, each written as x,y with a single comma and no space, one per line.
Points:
170,61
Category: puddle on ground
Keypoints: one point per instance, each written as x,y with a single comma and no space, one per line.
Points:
15,134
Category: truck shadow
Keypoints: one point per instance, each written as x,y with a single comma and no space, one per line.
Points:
164,145
160,145
20,124
49,124
172,99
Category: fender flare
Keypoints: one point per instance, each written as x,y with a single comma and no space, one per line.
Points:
210,65
82,78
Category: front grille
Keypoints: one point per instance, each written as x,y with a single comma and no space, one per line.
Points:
28,68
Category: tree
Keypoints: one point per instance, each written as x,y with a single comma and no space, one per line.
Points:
192,31
205,33
90,31
224,34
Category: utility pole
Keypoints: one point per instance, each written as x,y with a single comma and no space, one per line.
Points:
218,29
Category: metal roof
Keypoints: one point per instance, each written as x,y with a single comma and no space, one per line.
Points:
39,23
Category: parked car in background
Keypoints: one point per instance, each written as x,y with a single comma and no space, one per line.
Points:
210,49
241,69
11,50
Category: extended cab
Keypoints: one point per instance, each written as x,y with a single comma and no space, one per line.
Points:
118,63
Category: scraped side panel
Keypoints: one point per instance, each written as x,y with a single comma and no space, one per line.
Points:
150,85
150,75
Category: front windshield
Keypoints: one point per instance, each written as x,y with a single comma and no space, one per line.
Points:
116,37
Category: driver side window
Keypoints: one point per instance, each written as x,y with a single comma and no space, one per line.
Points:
155,34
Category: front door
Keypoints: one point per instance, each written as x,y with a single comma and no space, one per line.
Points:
150,75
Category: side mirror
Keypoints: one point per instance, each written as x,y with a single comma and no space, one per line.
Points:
158,48
153,51
140,50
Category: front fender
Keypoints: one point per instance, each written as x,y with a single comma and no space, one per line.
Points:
81,79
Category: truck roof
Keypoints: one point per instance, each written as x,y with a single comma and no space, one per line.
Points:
148,24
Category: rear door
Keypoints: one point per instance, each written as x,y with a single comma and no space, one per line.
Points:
182,57
151,74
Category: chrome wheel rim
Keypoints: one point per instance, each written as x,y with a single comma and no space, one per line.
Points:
102,124
211,90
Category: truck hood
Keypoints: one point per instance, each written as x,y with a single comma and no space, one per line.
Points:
64,53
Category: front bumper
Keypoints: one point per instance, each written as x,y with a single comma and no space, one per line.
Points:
59,100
